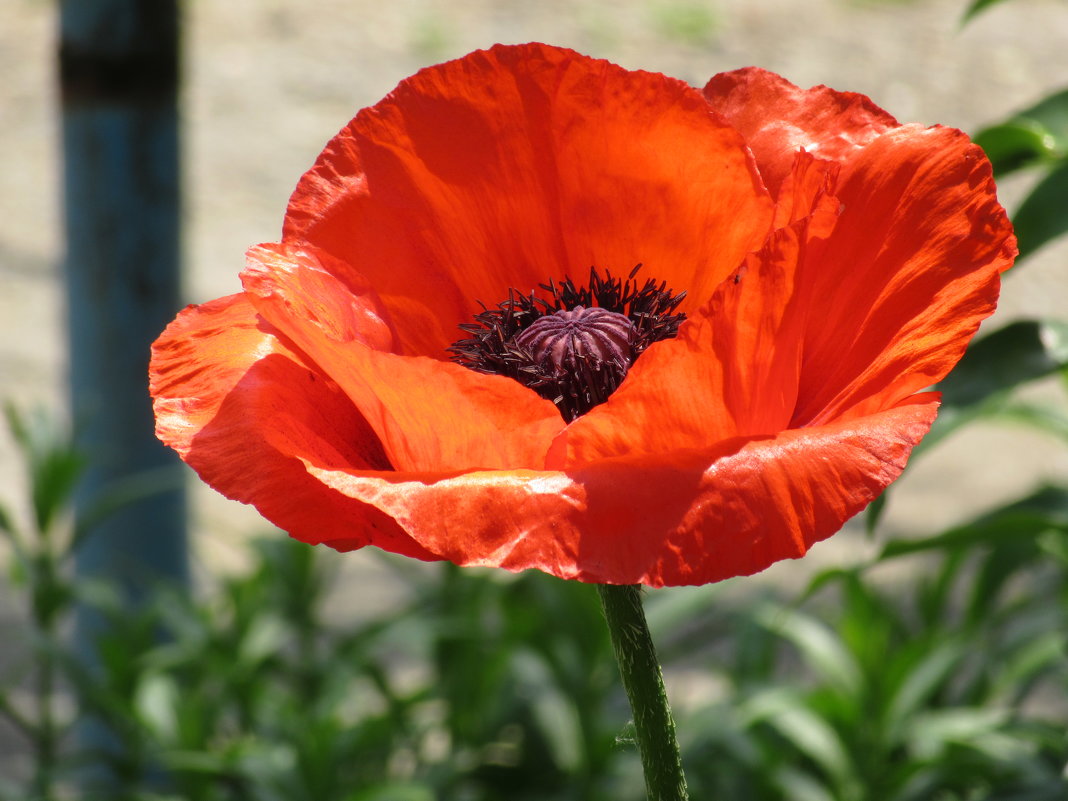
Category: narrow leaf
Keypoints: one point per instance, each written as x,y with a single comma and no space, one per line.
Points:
993,366
1043,216
934,670
1035,135
1042,417
1045,510
821,649
976,7
1017,143
789,714
1019,352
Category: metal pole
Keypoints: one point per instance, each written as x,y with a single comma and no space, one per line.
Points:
118,71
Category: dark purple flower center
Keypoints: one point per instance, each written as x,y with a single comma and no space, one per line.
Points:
574,347
563,341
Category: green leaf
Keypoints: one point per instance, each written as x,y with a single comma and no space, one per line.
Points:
932,733
1035,135
1037,655
993,366
1042,417
934,669
189,761
1004,561
7,524
797,785
10,532
822,650
976,7
156,700
1043,216
1055,545
1019,352
1017,143
788,713
50,461
874,513
265,636
1045,510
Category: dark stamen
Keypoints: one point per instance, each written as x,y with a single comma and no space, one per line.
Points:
574,347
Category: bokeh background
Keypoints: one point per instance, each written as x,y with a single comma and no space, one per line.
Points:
267,82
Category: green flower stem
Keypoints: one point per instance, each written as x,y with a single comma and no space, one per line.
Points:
642,679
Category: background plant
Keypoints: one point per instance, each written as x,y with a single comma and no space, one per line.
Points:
945,685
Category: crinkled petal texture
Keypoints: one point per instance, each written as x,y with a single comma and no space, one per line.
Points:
519,164
777,119
244,408
836,265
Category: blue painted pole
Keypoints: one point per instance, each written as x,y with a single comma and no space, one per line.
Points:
118,74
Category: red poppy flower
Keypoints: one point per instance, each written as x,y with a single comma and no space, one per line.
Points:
834,264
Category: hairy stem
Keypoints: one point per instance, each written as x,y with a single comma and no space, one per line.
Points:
643,681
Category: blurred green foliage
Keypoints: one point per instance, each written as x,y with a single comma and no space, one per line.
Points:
944,683
936,687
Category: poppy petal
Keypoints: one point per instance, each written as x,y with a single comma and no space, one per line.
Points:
835,264
808,190
688,518
243,409
518,164
428,414
911,270
778,118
